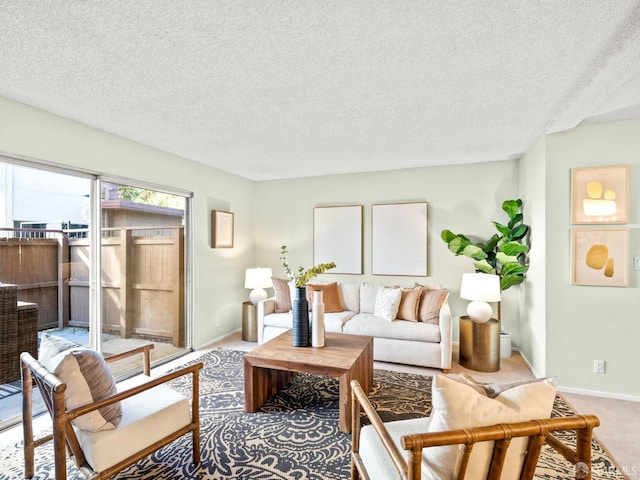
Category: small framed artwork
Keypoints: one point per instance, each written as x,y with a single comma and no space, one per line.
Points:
600,195
221,229
600,256
399,239
337,237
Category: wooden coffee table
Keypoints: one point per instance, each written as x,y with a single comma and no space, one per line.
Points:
270,366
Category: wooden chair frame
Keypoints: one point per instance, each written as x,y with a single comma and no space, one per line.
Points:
539,431
63,435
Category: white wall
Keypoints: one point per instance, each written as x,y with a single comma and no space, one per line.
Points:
462,198
562,328
585,323
532,328
218,273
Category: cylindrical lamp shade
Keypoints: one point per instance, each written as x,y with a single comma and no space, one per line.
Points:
480,288
258,279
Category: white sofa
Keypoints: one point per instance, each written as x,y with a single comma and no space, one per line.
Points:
425,341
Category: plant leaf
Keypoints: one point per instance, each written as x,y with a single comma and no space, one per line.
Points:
474,252
511,207
510,280
504,259
513,248
484,267
504,231
519,232
515,268
491,244
447,235
515,220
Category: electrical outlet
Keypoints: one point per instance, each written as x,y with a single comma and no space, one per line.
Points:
598,366
636,263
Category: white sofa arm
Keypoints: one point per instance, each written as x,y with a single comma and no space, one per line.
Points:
446,336
265,307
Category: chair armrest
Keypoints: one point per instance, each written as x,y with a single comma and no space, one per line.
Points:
191,369
144,349
360,401
265,307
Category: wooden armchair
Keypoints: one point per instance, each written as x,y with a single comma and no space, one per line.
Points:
408,462
153,415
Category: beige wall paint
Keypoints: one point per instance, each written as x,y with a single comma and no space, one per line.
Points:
218,273
585,323
462,198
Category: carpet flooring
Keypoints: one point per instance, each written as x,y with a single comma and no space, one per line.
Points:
294,436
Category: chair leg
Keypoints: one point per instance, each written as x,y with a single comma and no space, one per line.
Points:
196,445
59,436
27,422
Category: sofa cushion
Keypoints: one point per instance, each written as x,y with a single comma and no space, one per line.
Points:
409,302
350,296
387,303
88,379
282,294
368,293
281,320
369,324
333,322
330,296
457,405
431,301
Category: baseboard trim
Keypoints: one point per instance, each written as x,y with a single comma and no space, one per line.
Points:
596,393
215,340
527,363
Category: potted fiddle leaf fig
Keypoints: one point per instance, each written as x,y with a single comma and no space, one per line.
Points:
504,254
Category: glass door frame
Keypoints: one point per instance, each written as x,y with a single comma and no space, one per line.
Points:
95,234
188,249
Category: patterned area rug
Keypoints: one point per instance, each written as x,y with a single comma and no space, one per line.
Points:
294,436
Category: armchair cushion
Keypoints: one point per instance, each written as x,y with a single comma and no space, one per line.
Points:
457,405
88,379
372,451
148,417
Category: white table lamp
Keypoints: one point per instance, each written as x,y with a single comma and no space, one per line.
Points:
258,279
480,288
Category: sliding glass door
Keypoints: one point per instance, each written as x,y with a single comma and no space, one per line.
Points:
105,260
142,268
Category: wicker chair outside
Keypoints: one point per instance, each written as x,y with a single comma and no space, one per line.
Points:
9,354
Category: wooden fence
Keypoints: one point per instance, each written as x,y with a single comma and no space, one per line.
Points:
142,280
38,266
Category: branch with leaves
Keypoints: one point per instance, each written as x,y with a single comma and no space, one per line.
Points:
301,277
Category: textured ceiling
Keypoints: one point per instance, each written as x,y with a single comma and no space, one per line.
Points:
280,89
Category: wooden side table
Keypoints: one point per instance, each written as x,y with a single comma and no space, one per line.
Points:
480,345
249,322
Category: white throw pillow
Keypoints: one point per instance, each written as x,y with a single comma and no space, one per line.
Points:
387,303
457,405
368,294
